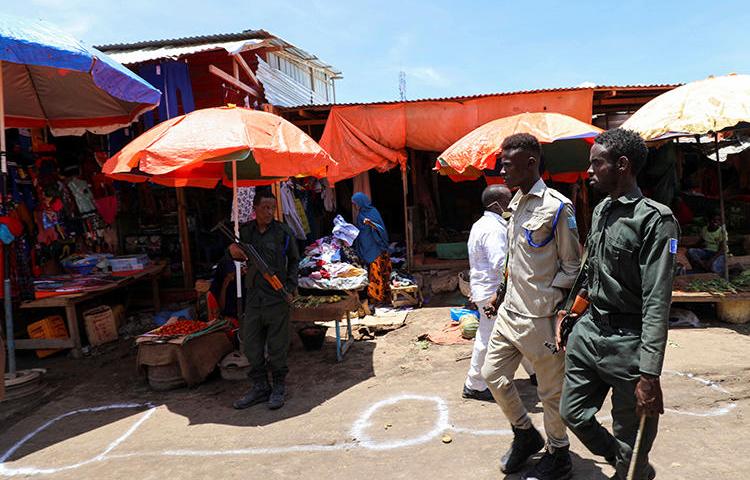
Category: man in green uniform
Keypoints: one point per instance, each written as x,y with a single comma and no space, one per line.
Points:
265,325
618,344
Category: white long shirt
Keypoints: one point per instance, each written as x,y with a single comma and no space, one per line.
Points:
488,245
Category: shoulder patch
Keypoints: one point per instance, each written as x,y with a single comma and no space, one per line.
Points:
673,246
572,222
663,210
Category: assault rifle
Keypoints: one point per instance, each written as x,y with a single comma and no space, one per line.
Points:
254,257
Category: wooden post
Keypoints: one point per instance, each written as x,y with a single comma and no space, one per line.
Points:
187,261
407,223
724,233
276,189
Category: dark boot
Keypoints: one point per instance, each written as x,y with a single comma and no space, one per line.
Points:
647,473
278,393
525,444
483,395
552,466
258,394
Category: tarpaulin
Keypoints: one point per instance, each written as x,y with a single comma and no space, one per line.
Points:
362,137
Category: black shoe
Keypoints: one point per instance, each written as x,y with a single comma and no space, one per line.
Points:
611,460
258,394
278,392
649,473
532,379
552,466
525,444
484,395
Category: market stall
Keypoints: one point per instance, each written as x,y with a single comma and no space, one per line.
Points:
182,352
315,309
331,275
69,291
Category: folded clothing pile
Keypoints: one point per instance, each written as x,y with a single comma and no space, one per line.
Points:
330,264
402,279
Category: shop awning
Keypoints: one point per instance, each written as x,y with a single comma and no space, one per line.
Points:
363,137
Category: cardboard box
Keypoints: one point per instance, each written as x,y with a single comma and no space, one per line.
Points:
101,326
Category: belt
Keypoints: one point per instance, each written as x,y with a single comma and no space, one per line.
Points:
628,321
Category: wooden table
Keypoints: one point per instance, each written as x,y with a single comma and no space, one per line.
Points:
331,311
70,303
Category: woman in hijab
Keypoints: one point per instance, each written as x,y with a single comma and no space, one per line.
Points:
372,247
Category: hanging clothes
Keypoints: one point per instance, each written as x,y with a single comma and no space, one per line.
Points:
329,199
173,79
291,216
244,208
82,194
302,216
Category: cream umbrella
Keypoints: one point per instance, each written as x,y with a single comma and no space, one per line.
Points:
704,107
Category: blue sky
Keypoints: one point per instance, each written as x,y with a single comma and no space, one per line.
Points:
447,48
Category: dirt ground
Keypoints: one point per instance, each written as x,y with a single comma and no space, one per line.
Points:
380,414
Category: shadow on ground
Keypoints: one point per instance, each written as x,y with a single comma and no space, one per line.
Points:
111,378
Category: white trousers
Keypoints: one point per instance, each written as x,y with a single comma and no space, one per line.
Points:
474,378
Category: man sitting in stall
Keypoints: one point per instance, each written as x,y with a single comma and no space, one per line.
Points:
709,258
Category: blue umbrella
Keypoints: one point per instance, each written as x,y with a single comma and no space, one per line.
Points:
50,79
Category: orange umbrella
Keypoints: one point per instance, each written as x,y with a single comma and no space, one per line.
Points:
238,146
477,150
188,150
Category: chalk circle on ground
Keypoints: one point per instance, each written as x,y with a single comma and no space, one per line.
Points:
361,425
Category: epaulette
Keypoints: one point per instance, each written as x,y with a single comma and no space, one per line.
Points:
663,210
559,195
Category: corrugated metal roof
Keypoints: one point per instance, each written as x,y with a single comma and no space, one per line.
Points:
282,90
461,98
145,54
183,41
170,45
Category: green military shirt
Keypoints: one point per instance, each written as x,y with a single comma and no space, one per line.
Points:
278,248
631,254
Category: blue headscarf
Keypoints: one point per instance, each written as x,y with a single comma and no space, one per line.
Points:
372,240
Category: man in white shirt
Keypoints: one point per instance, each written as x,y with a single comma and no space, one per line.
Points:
488,245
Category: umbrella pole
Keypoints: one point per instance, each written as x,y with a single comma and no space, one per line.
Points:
724,234
236,217
7,300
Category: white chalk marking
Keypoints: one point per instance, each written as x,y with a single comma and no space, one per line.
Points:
716,412
358,432
363,422
8,471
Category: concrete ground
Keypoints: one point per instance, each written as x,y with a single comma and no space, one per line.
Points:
381,414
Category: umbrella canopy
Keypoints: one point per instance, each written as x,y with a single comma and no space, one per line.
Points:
697,108
477,151
190,150
51,79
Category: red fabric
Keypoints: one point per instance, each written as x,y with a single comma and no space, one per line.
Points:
14,226
107,208
362,137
